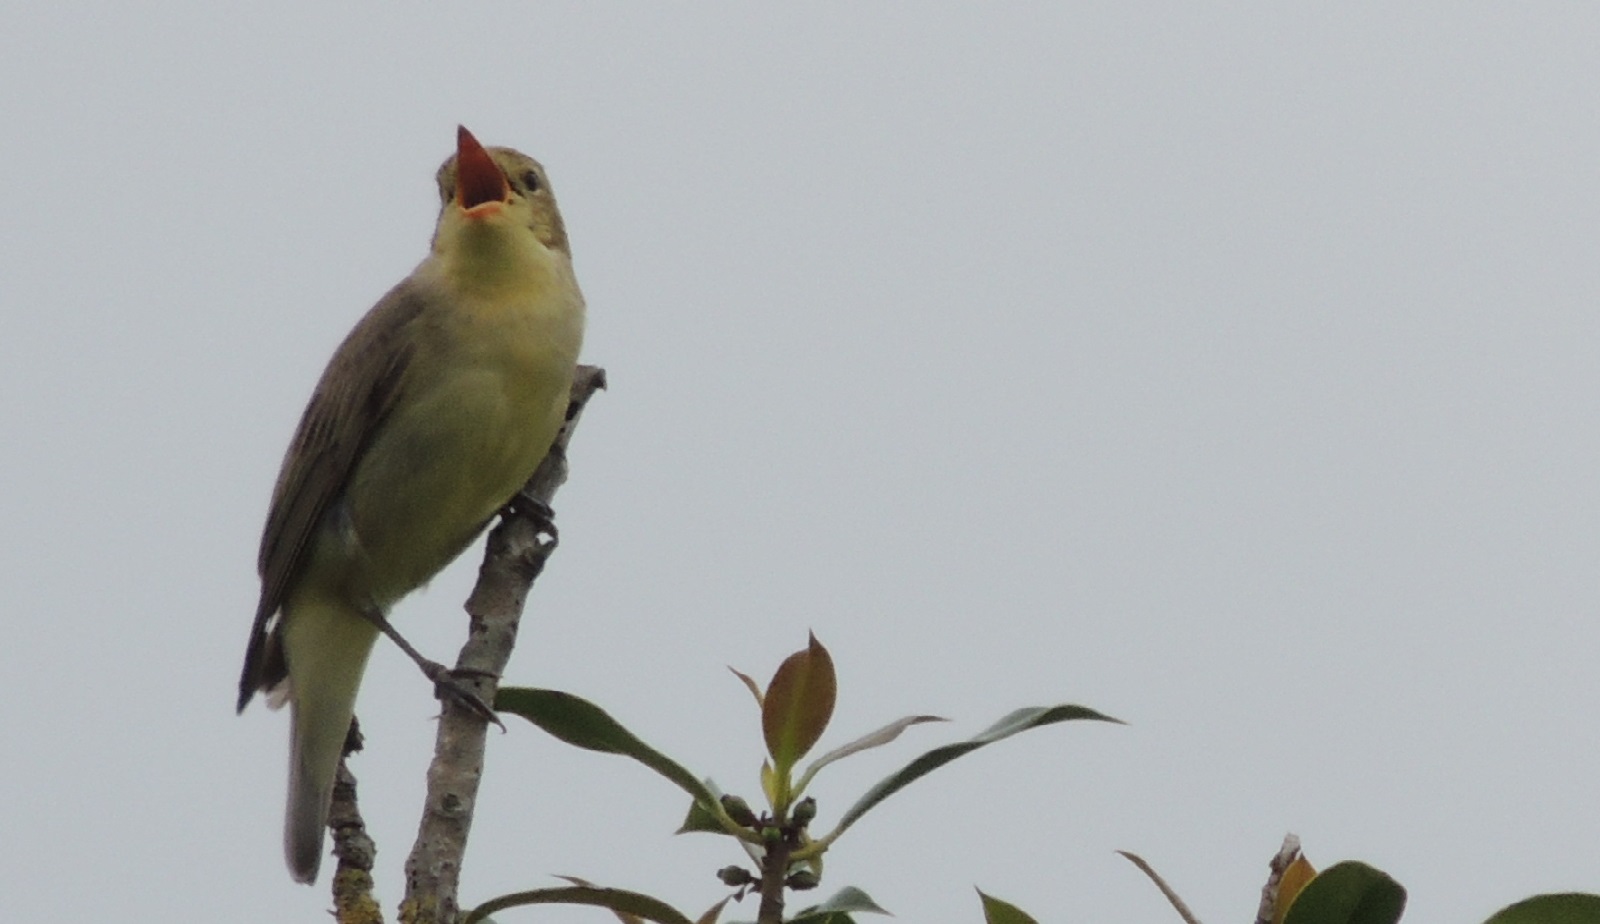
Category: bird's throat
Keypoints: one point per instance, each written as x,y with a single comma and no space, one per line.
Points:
489,258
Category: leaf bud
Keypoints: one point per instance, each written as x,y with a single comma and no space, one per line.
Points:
739,811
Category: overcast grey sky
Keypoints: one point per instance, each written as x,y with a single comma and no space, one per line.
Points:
1230,369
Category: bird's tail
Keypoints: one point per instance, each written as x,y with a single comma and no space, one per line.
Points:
326,645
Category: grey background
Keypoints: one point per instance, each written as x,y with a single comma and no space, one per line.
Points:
1230,369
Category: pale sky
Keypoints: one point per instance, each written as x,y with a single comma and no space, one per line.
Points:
1229,370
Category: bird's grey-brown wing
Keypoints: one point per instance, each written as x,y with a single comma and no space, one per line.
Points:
355,394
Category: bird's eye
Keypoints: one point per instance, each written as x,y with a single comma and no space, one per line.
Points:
531,180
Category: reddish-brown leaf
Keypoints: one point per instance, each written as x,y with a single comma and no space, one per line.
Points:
798,705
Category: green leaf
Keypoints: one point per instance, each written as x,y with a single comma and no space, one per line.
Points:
1555,908
583,724
846,899
700,818
798,705
1018,721
620,901
1349,893
996,911
622,916
871,740
714,912
838,908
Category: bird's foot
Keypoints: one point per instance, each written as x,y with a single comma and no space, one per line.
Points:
451,685
446,682
538,512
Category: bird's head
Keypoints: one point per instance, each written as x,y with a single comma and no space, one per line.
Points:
496,193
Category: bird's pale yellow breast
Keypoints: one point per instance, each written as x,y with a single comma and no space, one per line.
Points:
485,394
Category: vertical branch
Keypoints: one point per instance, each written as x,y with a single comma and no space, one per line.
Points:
517,550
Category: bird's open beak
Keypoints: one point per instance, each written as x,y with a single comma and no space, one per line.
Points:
478,177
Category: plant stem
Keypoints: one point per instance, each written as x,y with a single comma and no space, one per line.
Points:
774,870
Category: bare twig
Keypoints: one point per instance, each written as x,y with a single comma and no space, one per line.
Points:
1177,903
353,902
517,549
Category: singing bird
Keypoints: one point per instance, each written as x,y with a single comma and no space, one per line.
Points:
430,416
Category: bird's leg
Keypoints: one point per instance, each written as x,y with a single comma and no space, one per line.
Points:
543,517
445,683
